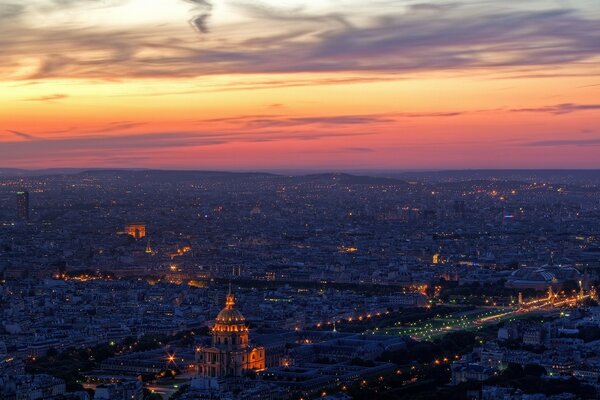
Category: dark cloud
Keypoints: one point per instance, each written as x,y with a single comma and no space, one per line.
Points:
24,135
200,21
558,109
9,11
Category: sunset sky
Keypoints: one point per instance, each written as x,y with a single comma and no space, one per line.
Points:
290,84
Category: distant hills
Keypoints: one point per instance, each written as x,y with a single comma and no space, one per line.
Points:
358,177
527,175
349,179
39,172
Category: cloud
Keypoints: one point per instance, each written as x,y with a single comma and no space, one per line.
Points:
296,15
271,120
48,6
558,109
119,138
431,114
200,21
107,149
117,126
24,135
49,98
257,129
264,84
400,41
434,7
359,149
565,142
10,11
329,120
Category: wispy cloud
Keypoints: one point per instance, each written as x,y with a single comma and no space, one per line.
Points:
48,98
273,120
121,137
110,149
115,136
328,120
116,126
10,11
359,149
566,142
431,114
558,109
402,40
24,135
200,21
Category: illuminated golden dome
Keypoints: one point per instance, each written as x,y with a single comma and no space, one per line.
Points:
229,315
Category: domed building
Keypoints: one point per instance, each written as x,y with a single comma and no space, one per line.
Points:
230,353
541,278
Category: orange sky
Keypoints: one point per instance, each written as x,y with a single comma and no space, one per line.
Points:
273,85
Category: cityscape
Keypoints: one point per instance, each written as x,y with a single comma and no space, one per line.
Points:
120,284
299,200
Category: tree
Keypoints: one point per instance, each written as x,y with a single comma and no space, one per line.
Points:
589,333
74,386
570,285
590,303
52,352
148,395
513,371
534,370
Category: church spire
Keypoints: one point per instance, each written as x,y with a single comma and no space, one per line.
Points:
230,299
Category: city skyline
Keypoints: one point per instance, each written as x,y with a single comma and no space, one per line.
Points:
156,285
291,85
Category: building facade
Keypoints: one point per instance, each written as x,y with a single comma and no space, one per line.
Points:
230,353
136,230
23,205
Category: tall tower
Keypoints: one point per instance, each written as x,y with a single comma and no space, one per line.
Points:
230,354
23,205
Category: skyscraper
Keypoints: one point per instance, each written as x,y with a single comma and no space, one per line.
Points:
23,205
